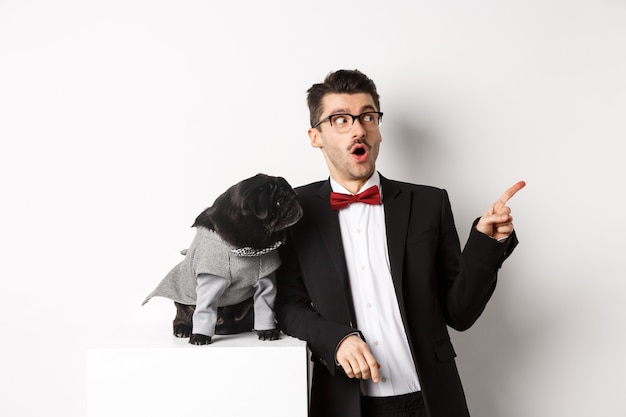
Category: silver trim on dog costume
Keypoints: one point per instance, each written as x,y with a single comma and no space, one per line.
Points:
248,251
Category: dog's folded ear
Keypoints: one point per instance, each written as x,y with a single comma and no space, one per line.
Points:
258,200
257,205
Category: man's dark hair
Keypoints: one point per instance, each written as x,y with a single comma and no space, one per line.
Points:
339,82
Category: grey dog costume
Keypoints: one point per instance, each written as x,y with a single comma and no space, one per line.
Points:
214,266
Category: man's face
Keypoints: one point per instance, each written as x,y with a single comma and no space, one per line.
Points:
350,156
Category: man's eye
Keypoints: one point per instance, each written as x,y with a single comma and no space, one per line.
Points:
340,120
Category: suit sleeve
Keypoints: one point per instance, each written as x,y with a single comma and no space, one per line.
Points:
296,314
469,278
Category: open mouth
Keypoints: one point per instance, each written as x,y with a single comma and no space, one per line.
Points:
360,151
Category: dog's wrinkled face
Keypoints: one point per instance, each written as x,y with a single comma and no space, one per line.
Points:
254,212
272,201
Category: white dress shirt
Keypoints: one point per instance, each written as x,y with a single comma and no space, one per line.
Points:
364,237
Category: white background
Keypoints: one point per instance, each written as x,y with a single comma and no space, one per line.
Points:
121,120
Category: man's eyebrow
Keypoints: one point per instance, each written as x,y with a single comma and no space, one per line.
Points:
341,110
369,107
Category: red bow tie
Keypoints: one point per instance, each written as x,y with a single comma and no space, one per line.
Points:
369,196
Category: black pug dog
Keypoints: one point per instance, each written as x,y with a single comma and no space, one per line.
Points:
226,282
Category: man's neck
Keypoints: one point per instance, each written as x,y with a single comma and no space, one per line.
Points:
356,186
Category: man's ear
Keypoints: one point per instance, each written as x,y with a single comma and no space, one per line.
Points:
316,137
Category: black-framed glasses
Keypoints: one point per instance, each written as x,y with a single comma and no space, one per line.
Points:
342,122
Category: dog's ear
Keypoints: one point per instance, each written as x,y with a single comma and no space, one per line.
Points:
258,199
257,203
204,219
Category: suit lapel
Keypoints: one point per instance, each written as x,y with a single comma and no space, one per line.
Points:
328,226
397,210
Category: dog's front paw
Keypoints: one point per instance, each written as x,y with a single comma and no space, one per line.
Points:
182,330
273,334
200,339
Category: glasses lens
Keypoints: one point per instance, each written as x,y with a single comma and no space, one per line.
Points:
341,122
370,119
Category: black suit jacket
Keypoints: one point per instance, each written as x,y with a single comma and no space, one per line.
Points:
436,286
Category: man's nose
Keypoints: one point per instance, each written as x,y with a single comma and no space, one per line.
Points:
357,128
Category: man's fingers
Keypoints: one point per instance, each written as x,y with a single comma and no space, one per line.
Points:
375,374
349,369
497,221
507,196
354,371
356,359
361,368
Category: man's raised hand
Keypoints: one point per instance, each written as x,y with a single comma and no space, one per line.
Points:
497,221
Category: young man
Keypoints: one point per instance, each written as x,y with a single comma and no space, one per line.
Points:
372,281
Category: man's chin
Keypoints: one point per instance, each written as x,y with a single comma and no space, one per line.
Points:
363,172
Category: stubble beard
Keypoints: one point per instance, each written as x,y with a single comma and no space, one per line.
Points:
347,168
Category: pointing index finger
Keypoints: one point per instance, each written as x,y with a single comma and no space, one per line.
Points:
507,195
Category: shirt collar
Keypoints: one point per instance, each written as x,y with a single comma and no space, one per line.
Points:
373,180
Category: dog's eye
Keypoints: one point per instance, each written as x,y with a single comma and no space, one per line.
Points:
279,202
